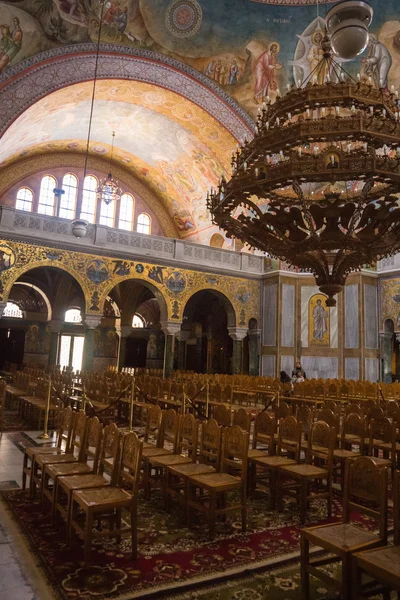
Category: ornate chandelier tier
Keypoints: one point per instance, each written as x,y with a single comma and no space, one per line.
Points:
319,184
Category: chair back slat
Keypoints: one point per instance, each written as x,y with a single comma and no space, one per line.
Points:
264,431
235,450
366,485
289,437
131,456
210,446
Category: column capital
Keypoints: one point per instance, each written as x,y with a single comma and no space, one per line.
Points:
237,333
126,330
254,332
170,327
92,321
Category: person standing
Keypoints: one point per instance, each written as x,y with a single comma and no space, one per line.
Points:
298,374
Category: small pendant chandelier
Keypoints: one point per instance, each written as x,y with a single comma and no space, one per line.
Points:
109,190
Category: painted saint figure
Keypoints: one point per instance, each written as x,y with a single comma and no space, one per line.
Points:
318,67
10,43
320,316
378,62
264,72
233,73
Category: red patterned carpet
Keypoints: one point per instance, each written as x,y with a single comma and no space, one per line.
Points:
170,555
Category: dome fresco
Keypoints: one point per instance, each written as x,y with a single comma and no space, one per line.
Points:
244,50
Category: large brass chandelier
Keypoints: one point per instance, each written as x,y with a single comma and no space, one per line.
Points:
319,184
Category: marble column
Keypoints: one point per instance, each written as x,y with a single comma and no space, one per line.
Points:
182,338
254,351
55,330
124,334
386,356
237,334
2,307
170,330
91,321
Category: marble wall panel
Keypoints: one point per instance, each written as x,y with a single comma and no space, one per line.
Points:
352,368
287,363
320,366
268,366
372,369
351,333
306,292
270,304
287,329
371,316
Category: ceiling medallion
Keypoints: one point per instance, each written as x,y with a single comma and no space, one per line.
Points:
319,184
183,17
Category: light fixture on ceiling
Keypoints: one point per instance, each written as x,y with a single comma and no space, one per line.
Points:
109,190
347,25
325,160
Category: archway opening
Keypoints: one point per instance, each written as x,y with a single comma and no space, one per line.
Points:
141,307
208,346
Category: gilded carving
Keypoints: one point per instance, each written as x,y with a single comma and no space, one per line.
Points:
97,276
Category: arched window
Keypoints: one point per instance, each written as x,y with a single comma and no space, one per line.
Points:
125,220
73,315
137,321
13,310
46,196
24,199
68,199
143,223
107,212
89,197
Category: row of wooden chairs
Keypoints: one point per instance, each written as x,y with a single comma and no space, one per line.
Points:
87,472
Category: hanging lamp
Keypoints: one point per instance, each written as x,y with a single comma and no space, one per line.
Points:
109,190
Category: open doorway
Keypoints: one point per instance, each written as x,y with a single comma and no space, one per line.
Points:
71,351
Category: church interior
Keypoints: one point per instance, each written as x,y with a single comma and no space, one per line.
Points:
199,299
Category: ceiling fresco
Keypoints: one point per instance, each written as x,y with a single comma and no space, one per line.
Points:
248,47
171,144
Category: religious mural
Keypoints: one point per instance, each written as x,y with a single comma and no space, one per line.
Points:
250,48
97,276
318,321
390,301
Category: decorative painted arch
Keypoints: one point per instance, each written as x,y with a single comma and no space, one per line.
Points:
42,294
227,303
11,276
18,171
155,288
35,78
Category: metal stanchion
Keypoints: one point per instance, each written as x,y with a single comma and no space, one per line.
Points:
207,397
184,401
45,435
84,399
131,405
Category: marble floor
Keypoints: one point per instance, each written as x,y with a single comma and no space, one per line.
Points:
17,580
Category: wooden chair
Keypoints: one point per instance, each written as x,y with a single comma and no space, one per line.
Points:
288,453
64,434
263,436
75,453
231,477
320,450
223,415
153,432
365,492
66,485
209,460
88,463
382,439
242,419
282,411
168,444
354,408
107,503
185,452
329,417
383,564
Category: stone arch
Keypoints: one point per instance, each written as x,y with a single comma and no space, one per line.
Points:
227,303
34,78
388,326
16,273
161,299
42,294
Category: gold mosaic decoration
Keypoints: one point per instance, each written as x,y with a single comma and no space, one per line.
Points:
391,301
98,275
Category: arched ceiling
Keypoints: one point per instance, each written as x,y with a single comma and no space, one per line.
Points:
171,144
